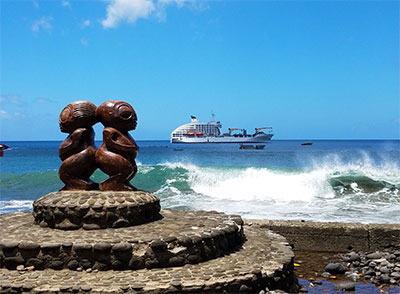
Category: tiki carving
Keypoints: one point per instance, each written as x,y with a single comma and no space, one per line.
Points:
116,156
78,151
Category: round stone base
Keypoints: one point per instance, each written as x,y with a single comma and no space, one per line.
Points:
264,261
71,210
178,238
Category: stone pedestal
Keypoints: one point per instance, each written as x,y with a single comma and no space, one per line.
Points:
117,242
71,210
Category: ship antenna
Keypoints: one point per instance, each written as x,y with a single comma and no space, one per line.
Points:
212,116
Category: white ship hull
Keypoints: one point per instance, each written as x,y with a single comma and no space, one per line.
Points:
211,132
262,138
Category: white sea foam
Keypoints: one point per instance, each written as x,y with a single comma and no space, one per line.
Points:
15,205
293,193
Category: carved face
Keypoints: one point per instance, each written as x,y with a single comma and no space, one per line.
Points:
117,114
78,114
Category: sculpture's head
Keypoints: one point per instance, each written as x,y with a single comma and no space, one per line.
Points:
78,114
117,114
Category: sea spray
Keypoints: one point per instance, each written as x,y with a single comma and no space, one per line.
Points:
328,181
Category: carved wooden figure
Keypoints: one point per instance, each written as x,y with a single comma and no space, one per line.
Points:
78,150
116,156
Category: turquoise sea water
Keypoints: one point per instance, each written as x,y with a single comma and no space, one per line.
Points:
329,181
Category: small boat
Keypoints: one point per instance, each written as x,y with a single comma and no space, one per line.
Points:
2,148
242,146
306,144
178,149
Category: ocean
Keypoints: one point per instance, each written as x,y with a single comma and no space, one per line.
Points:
332,180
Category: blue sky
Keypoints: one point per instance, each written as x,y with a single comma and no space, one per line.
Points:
309,69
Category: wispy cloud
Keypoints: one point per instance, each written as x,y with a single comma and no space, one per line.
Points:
42,24
65,3
15,115
84,42
10,99
86,23
4,114
132,10
35,4
43,100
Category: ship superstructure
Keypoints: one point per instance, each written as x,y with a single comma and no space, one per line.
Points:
211,132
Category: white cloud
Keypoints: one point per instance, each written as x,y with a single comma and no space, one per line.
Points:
43,100
127,10
35,4
4,114
43,23
131,10
180,3
65,3
84,42
10,99
85,23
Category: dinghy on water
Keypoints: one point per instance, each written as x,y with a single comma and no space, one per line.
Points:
2,148
242,146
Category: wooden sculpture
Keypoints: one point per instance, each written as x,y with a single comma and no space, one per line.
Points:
77,152
116,156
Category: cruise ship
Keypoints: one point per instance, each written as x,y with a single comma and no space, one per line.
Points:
211,132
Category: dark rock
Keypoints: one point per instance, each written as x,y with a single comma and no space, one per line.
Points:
82,247
117,265
102,246
158,245
152,263
91,227
50,246
244,289
86,263
122,246
28,246
36,262
384,278
335,268
73,264
67,225
176,261
100,266
120,223
345,286
193,258
170,239
56,265
136,262
11,263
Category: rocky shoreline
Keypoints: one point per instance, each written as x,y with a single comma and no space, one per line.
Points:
376,271
342,256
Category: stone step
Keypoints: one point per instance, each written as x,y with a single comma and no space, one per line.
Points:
264,260
176,239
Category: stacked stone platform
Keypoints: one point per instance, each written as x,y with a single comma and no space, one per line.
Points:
176,239
78,242
264,260
71,210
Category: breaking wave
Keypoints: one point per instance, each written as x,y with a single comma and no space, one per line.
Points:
330,190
